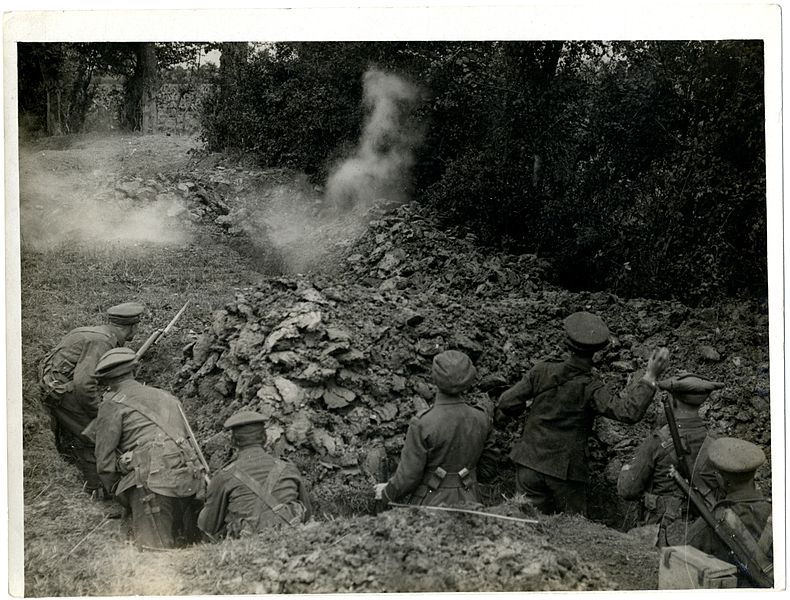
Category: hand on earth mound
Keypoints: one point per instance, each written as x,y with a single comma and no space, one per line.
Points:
657,364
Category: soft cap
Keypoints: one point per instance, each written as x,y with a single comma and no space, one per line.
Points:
690,388
115,362
243,417
127,313
586,332
453,372
732,455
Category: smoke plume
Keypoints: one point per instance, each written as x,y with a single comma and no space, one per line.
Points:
381,165
306,229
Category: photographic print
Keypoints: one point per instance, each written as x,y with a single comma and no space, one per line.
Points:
479,311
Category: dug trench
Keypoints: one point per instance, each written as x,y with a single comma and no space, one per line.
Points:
338,360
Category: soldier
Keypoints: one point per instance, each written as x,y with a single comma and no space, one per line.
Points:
69,387
446,445
143,455
256,491
744,511
647,477
551,456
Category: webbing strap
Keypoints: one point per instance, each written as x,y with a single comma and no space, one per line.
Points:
257,489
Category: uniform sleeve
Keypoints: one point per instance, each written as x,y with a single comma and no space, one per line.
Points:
212,516
304,498
487,466
512,401
411,467
628,409
109,427
85,385
635,477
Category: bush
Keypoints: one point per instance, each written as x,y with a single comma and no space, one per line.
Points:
638,167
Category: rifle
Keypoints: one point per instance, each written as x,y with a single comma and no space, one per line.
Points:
681,449
195,446
746,563
90,431
157,334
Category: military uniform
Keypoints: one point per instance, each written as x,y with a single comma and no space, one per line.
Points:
446,445
552,454
144,457
254,492
647,477
70,390
744,512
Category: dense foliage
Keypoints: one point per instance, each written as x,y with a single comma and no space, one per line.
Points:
638,167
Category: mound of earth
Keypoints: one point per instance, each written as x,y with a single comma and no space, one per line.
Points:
339,363
415,550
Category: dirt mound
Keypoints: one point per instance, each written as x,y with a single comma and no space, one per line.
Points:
413,550
339,363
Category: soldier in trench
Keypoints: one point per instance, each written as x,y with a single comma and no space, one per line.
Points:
562,400
69,387
256,491
743,511
647,477
144,456
447,445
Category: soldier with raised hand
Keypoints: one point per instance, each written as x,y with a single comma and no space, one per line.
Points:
256,491
743,512
144,455
69,387
446,445
647,477
563,399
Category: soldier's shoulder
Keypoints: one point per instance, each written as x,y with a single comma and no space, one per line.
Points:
99,331
420,414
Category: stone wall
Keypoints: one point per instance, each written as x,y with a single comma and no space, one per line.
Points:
178,107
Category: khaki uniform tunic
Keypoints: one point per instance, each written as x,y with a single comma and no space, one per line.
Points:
67,374
752,508
233,509
452,435
647,477
567,398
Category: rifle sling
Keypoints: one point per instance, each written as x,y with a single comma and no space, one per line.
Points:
264,494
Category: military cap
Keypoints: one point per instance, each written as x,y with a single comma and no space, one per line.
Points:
453,371
732,455
690,388
115,362
243,417
586,332
127,313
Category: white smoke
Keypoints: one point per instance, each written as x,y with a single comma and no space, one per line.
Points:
307,230
381,165
63,201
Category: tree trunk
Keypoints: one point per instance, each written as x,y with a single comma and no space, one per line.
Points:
141,90
233,57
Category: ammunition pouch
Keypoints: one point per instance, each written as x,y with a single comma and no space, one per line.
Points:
162,466
440,478
55,378
435,479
